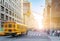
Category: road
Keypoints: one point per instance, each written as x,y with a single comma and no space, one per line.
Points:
32,36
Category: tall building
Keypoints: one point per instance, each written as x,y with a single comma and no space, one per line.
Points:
47,14
28,15
26,12
53,14
26,7
11,10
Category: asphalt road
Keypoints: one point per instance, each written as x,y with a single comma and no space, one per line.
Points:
32,36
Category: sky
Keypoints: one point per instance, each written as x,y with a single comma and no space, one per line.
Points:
37,11
38,5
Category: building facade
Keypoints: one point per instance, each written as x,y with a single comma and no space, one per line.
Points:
47,15
26,7
52,14
11,10
26,12
55,14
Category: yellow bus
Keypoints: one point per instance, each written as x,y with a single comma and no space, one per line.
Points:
12,28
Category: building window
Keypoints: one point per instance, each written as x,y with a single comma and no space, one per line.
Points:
2,16
6,4
10,12
13,19
2,24
2,8
5,25
10,18
6,17
15,15
10,25
6,10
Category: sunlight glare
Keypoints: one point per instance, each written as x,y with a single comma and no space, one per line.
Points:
39,19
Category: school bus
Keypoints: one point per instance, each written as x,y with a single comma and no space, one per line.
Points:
12,28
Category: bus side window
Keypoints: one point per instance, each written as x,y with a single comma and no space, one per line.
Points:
10,25
5,25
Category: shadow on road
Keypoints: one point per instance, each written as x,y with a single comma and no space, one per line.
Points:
21,36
